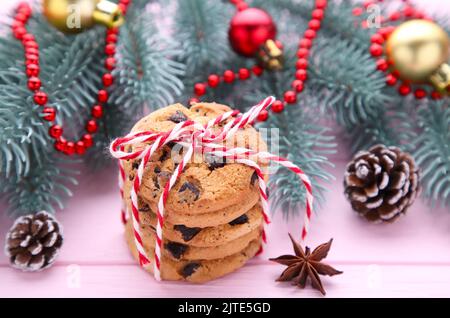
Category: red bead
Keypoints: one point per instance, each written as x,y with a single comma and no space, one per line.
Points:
298,85
257,70
123,8
301,75
263,115
279,44
102,96
376,50
16,24
302,53
91,126
110,63
419,15
290,97
249,30
395,16
357,11
194,100
88,140
213,80
32,59
420,93
80,148
55,131
19,32
391,80
112,31
301,64
199,89
436,95
244,73
321,4
26,11
382,65
49,113
314,24
32,50
40,98
60,144
32,70
368,3
97,111
318,14
110,49
111,38
277,106
310,34
305,43
228,76
377,38
28,37
409,11
385,32
241,6
69,149
21,17
108,79
404,89
31,44
34,83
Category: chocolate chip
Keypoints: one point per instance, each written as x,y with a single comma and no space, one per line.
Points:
187,233
178,117
240,220
191,187
156,182
254,178
165,155
136,164
215,162
176,249
190,269
144,208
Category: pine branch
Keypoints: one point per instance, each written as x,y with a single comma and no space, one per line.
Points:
433,151
307,144
393,125
43,188
201,29
147,74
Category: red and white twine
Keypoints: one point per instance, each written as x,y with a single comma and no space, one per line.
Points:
196,137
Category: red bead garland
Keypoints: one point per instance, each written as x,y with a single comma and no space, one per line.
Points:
301,75
31,48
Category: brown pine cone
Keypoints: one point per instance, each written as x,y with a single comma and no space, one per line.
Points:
33,242
381,183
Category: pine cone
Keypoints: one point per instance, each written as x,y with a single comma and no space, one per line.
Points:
33,242
381,183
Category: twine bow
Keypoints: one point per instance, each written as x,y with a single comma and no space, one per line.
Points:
197,137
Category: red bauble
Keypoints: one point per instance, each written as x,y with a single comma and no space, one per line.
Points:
249,30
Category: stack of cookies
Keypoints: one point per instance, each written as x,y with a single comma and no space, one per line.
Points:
213,218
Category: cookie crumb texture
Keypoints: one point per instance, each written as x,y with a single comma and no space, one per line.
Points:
213,219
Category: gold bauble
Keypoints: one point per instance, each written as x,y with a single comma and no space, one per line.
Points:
74,16
418,51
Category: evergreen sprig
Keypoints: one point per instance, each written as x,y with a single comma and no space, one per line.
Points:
432,151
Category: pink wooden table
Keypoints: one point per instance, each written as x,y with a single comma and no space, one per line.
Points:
410,258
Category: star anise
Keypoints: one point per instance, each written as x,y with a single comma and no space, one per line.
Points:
305,264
